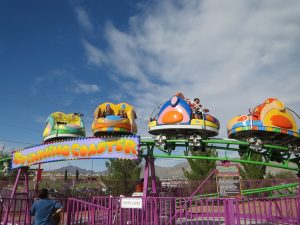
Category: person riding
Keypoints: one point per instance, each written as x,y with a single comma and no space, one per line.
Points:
197,108
122,113
108,111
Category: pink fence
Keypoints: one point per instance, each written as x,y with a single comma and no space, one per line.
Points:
188,211
117,214
84,212
19,210
166,211
184,188
274,211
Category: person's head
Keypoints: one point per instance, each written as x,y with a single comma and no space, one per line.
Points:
108,108
197,100
179,94
44,193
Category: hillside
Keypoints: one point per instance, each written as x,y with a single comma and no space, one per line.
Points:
161,172
72,169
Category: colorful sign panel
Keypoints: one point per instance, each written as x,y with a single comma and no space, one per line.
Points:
227,170
86,148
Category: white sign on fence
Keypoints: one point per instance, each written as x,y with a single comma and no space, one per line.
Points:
132,203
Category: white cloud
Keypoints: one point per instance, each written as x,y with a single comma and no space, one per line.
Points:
84,19
232,54
94,55
117,96
81,87
40,119
65,87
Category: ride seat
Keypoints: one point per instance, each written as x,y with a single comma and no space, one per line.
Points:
74,120
60,118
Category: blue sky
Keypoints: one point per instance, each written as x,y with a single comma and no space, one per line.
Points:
71,56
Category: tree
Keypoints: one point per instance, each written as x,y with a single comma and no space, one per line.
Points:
5,174
200,167
253,171
3,155
77,174
122,174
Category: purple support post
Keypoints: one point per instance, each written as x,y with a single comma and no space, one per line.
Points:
16,183
27,218
154,184
11,196
298,199
13,193
110,210
146,177
203,182
190,198
229,211
93,214
154,190
145,187
69,211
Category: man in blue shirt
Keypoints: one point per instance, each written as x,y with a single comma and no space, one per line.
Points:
43,208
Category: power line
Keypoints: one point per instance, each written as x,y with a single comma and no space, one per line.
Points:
17,142
24,128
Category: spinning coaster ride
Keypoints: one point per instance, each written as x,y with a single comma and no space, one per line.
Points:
270,129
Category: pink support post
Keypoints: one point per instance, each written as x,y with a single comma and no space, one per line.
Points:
11,196
21,171
16,183
146,177
194,193
70,208
298,199
154,184
145,187
229,211
204,182
154,190
27,196
92,215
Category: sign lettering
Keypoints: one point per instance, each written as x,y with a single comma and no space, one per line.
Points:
87,148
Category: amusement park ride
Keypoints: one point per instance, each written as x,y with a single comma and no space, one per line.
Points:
269,129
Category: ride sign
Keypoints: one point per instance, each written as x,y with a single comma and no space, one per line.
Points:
228,180
131,203
125,147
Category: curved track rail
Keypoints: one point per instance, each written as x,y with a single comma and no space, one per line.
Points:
274,156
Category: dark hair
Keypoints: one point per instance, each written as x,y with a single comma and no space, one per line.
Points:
196,99
44,193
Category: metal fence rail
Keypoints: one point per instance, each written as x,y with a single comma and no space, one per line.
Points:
273,211
167,211
189,211
85,212
18,213
19,210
